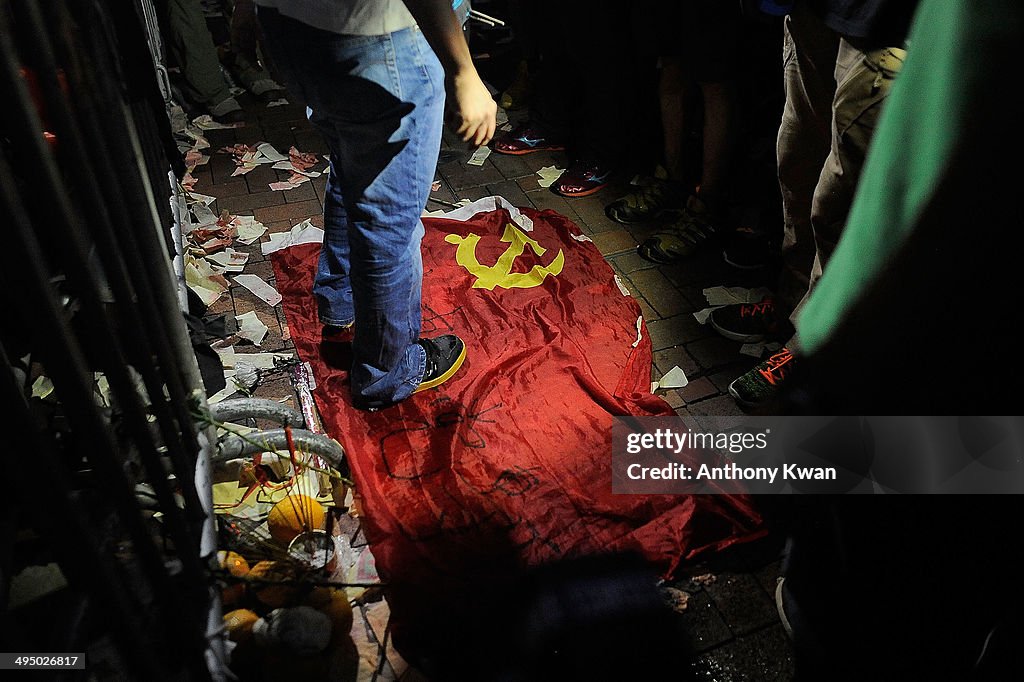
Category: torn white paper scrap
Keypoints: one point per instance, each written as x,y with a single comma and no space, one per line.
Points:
206,122
229,259
703,315
204,199
229,389
249,229
639,333
277,103
204,216
42,387
729,295
251,328
203,280
581,237
479,156
289,166
269,153
548,174
303,233
262,360
292,182
468,209
674,378
225,352
261,289
622,287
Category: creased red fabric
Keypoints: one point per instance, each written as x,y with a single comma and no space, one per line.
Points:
507,464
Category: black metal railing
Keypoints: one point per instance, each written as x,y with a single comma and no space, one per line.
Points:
87,289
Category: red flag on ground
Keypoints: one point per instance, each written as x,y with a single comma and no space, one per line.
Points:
508,464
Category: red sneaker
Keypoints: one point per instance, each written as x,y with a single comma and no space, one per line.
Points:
526,139
582,179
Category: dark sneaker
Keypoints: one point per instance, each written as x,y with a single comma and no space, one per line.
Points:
582,179
748,249
227,111
267,90
747,322
694,226
527,139
647,202
445,355
333,333
762,384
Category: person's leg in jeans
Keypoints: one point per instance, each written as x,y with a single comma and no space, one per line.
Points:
378,100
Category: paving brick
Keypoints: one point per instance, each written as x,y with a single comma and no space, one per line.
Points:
233,188
674,331
222,166
721,406
303,192
261,269
676,356
511,167
648,312
704,269
254,251
281,135
462,176
742,602
278,226
672,398
250,134
260,177
546,200
660,293
715,351
275,388
631,262
295,212
616,241
250,203
705,626
539,160
767,576
511,191
222,306
698,389
722,379
309,141
762,656
591,211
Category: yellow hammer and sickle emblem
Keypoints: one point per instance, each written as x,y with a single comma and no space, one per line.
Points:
500,274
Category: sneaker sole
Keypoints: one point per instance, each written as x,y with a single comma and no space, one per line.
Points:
742,267
763,408
574,195
654,217
437,381
521,152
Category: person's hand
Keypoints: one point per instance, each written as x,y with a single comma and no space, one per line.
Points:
472,110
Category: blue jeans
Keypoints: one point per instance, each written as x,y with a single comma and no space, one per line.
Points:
378,101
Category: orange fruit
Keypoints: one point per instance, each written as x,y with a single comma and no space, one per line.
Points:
340,613
293,515
236,565
238,624
234,562
274,596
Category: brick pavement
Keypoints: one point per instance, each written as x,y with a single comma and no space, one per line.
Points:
733,626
